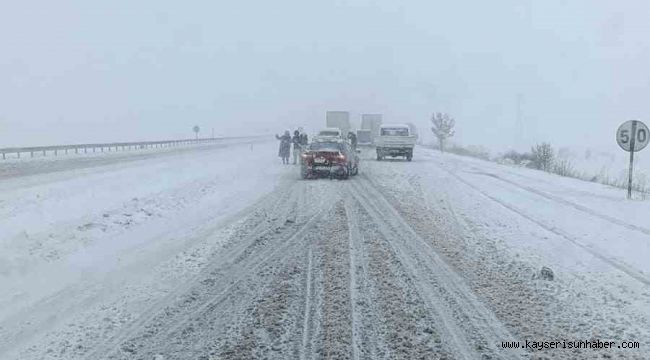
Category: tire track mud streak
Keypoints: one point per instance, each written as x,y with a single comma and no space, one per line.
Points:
464,321
269,325
261,323
367,338
245,301
613,262
531,309
336,318
259,224
502,283
306,322
354,235
395,320
173,328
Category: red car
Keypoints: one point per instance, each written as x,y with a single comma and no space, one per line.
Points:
330,159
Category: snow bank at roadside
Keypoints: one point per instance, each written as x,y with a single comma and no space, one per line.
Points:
57,228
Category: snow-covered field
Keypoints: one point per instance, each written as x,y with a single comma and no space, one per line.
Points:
223,253
609,167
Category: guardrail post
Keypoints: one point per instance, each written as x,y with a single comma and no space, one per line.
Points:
55,152
3,156
18,154
44,154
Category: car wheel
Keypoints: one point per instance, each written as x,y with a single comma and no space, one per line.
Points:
304,173
408,158
356,170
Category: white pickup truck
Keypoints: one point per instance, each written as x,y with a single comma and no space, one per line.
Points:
395,140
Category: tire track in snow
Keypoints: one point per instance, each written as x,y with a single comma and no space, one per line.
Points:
449,330
354,236
248,268
615,263
395,320
233,260
306,331
266,316
578,207
454,304
335,316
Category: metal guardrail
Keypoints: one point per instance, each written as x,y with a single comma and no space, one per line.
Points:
85,148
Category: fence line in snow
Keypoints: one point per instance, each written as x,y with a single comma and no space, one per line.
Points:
85,148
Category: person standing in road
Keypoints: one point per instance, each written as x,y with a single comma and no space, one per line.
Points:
296,146
352,137
304,140
285,146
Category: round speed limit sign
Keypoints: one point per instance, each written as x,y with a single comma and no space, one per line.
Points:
633,134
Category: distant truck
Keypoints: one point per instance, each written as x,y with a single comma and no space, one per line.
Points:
364,137
339,120
371,122
395,140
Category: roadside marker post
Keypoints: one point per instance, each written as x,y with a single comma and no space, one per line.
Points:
632,136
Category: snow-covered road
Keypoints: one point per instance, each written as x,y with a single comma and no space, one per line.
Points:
223,253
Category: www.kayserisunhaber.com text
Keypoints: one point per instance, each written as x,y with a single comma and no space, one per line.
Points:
570,345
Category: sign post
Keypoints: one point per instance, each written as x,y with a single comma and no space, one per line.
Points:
632,136
196,130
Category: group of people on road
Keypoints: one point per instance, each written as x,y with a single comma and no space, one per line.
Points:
299,140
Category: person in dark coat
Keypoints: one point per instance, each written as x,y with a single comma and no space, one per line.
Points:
353,139
295,140
304,140
285,146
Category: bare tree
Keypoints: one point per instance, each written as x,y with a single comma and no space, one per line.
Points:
543,156
443,128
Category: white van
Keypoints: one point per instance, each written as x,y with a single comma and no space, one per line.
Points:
395,140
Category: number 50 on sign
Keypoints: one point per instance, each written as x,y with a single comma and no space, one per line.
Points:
633,135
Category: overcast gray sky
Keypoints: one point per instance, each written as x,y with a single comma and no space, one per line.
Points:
83,71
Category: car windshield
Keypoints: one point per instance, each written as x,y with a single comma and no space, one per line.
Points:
395,131
328,133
